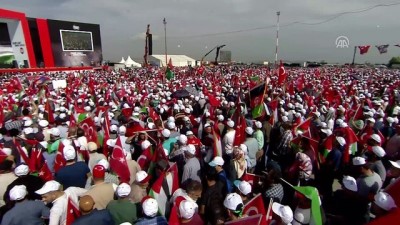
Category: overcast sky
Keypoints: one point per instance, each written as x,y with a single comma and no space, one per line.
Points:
123,22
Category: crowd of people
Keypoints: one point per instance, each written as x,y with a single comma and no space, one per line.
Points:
97,151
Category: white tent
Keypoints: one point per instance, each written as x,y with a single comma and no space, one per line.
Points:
130,63
122,61
177,60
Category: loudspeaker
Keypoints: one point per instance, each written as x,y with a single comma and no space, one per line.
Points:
150,44
26,65
15,64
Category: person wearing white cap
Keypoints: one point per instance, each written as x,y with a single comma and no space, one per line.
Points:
368,182
227,141
43,124
375,157
243,188
150,211
252,148
188,213
234,206
94,156
283,214
221,125
31,182
259,136
123,210
73,174
168,143
24,211
140,186
191,169
51,192
383,204
238,163
218,163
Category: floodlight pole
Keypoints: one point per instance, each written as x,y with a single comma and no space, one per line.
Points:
165,41
277,39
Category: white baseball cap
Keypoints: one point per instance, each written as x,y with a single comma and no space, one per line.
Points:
359,161
378,150
189,132
122,130
55,131
233,201
384,201
145,144
376,138
69,152
182,139
123,190
104,163
350,183
187,209
258,124
230,123
21,170
18,192
150,207
249,130
92,146
283,211
243,147
220,118
171,125
43,123
166,133
113,128
49,186
243,186
191,149
395,163
341,141
217,161
141,177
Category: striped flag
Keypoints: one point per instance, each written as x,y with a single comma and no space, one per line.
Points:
382,48
163,189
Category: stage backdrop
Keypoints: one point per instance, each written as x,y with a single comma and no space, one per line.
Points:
75,43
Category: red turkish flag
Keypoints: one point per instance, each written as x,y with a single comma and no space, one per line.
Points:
240,134
35,159
49,111
118,163
256,207
106,129
72,212
282,74
364,49
45,173
60,160
89,127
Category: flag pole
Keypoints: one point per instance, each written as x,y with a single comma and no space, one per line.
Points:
354,54
165,41
277,39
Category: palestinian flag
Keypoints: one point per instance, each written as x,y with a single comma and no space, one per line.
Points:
312,194
327,146
169,74
72,212
351,143
163,189
257,100
303,127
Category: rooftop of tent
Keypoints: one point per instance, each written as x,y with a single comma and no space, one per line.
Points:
173,58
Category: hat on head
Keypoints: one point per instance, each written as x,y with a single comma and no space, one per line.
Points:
220,118
359,161
43,123
142,177
49,186
92,146
189,133
230,123
350,183
395,163
341,141
104,163
378,150
233,202
145,144
21,170
191,149
55,131
258,124
18,192
372,120
69,152
99,171
376,138
243,147
171,125
384,201
182,139
113,128
217,161
283,211
150,207
123,190
358,124
166,133
249,130
187,209
243,186
207,125
122,130
28,123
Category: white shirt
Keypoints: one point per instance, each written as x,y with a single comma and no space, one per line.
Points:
228,141
58,213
